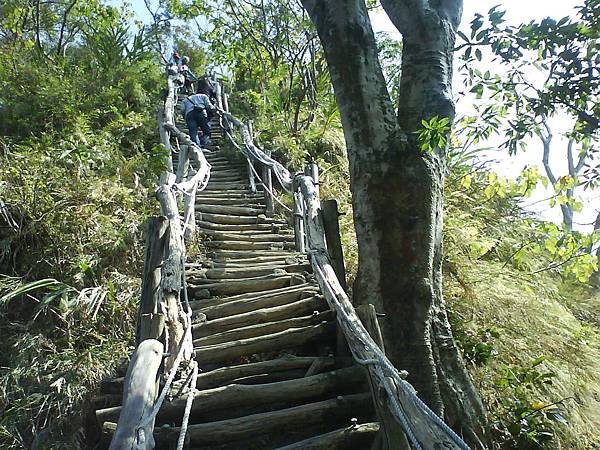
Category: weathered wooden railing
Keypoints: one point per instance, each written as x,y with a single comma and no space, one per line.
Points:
405,419
164,332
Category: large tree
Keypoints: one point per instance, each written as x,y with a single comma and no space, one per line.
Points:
397,188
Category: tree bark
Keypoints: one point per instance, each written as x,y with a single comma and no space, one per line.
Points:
397,190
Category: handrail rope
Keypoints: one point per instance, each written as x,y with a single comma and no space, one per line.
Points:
287,208
384,363
257,175
283,175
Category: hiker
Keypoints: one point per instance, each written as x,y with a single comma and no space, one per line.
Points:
188,75
195,110
174,63
205,87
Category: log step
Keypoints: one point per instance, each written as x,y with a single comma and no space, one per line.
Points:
226,209
278,341
268,325
250,245
232,396
239,286
334,410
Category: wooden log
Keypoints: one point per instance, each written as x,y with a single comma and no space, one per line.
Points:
289,391
334,410
331,227
349,438
268,191
250,284
225,194
299,308
294,418
291,338
165,139
236,395
182,163
150,319
283,263
205,303
236,228
189,218
245,305
234,255
225,209
231,219
240,201
171,278
299,223
217,185
249,245
245,236
138,399
392,434
246,272
226,375
262,329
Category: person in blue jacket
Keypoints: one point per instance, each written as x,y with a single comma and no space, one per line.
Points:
195,110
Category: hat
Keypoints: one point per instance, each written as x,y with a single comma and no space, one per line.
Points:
185,59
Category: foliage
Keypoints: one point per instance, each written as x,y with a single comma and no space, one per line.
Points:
434,133
549,72
78,156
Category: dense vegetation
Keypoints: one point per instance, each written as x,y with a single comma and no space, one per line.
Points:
78,157
77,127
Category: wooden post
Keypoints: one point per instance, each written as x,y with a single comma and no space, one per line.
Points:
165,138
171,282
251,176
268,187
299,223
331,224
151,322
183,163
312,170
218,91
392,435
225,102
134,430
189,205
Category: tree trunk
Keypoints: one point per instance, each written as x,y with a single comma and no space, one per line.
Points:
397,190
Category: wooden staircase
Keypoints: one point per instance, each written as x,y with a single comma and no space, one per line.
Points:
273,372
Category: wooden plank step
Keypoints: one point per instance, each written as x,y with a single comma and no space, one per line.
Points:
244,272
250,245
341,408
268,326
282,340
353,437
244,285
232,396
309,289
229,219
228,209
232,255
254,237
265,321
247,202
258,227
226,375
